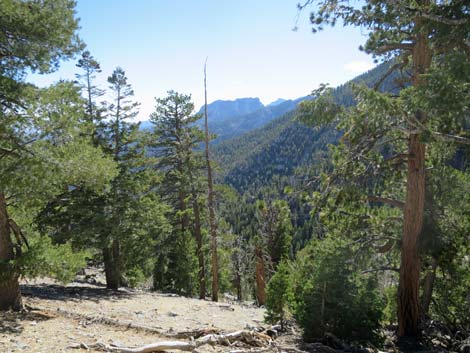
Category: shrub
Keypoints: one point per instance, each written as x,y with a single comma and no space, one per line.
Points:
278,294
59,261
330,296
390,311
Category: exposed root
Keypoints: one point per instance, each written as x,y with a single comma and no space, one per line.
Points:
250,338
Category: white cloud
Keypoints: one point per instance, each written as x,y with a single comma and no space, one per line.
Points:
358,67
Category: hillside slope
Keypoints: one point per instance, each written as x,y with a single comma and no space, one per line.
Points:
284,145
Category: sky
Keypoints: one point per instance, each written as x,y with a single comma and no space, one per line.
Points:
250,46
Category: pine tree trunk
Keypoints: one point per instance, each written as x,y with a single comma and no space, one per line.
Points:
158,273
199,250
408,288
210,202
10,295
260,277
111,266
182,206
238,285
117,261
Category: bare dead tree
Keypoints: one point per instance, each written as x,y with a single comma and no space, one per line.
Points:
210,201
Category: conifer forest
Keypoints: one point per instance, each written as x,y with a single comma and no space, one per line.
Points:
338,221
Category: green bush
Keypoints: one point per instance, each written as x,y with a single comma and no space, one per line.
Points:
278,294
176,266
330,296
390,311
451,298
59,261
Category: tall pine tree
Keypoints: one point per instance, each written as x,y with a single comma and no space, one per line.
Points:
420,36
176,140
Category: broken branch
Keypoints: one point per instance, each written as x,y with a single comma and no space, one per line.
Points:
386,200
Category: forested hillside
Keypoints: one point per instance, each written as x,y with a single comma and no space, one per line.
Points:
250,161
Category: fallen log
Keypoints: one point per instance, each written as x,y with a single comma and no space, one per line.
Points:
149,348
194,334
250,338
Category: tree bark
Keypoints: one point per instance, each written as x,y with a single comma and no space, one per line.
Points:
111,266
199,250
210,202
238,285
10,295
408,288
260,277
182,206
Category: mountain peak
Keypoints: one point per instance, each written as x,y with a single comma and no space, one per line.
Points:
276,102
223,109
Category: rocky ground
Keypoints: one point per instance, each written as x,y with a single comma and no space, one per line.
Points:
75,317
84,316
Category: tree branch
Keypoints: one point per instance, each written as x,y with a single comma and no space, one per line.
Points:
444,20
387,74
386,200
407,131
381,269
452,138
393,46
19,235
402,157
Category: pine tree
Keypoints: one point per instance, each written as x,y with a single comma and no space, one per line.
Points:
273,242
278,295
176,139
52,145
121,134
210,200
90,68
35,36
419,36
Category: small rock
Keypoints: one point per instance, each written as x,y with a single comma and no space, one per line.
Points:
250,327
117,344
22,346
172,314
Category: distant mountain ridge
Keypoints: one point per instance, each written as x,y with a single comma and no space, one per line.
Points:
226,121
283,145
232,118
229,119
221,110
276,102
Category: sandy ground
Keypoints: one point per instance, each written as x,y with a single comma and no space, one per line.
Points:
61,316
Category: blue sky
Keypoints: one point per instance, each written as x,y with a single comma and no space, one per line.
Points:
251,48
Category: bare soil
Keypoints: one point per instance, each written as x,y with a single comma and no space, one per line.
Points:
58,317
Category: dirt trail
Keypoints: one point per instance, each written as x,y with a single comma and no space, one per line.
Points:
61,316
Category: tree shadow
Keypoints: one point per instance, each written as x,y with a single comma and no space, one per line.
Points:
12,322
73,293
